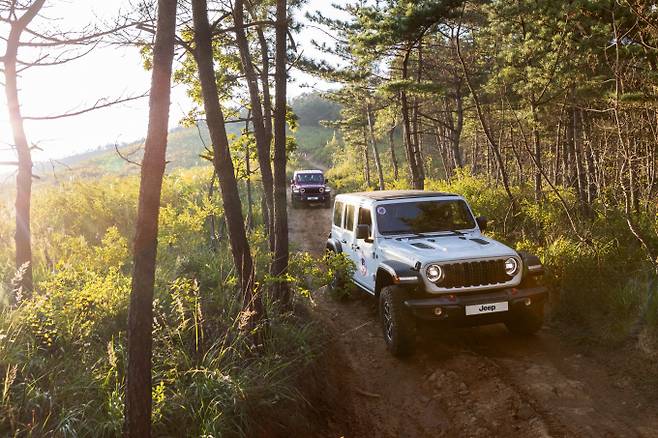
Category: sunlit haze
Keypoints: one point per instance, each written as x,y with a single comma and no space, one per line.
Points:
109,72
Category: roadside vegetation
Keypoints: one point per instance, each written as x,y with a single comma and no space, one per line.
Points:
63,352
542,114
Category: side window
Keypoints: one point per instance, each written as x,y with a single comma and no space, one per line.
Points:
338,214
364,217
349,217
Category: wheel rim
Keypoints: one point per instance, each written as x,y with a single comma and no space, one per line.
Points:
388,321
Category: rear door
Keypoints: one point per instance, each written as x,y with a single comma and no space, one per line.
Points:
337,223
347,239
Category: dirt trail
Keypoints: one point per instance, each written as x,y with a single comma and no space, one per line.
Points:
478,382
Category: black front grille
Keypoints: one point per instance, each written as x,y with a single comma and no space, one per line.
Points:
312,190
468,274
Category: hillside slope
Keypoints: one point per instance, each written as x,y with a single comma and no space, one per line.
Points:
183,151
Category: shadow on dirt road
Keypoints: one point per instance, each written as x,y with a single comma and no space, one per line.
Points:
475,382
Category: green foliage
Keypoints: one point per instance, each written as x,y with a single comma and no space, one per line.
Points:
62,352
312,108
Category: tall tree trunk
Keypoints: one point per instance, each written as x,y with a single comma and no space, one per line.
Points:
485,126
140,316
222,159
265,83
279,266
536,150
366,157
457,131
417,137
391,144
578,157
410,149
23,236
260,132
475,157
247,167
375,151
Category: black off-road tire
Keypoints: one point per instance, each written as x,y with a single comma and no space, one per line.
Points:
528,322
398,323
295,203
327,203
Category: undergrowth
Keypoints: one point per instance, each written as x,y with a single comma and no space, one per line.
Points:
63,351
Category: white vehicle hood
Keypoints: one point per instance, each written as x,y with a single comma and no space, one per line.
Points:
441,248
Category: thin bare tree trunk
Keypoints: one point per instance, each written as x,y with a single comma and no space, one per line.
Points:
247,166
391,144
260,132
279,266
485,126
536,142
222,159
366,157
455,134
410,149
140,318
23,236
375,151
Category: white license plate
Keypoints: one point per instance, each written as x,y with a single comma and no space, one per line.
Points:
312,198
479,309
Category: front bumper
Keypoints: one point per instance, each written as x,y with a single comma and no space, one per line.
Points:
453,306
311,197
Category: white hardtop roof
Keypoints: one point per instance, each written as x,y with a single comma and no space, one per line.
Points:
393,195
308,171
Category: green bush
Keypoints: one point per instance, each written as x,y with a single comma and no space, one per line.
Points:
62,352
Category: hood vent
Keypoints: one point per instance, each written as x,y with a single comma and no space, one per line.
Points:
422,245
480,241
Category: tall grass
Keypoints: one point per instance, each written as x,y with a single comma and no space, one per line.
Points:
63,352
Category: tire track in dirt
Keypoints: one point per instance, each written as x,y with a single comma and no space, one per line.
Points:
475,382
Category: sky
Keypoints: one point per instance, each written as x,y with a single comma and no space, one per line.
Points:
106,73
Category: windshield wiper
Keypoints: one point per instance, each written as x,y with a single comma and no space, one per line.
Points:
454,233
417,235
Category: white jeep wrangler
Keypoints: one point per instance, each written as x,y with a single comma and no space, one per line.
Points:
423,255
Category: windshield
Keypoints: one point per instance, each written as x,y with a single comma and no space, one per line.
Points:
424,217
306,178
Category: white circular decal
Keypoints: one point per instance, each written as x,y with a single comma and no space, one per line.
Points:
381,211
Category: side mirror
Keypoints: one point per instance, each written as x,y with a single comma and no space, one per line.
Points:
292,181
482,222
326,180
362,232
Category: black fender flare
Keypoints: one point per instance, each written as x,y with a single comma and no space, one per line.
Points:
532,266
397,273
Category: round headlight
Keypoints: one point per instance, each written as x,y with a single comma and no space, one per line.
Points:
435,273
302,190
321,189
511,266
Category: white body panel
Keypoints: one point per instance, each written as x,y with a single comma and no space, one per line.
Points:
431,248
